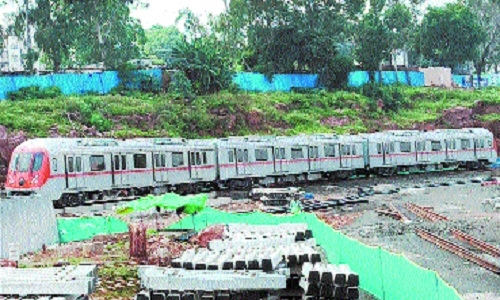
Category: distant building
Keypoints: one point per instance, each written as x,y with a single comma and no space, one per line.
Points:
12,53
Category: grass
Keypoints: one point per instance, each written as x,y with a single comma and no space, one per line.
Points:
226,114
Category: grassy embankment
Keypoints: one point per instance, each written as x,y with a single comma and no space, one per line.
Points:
234,114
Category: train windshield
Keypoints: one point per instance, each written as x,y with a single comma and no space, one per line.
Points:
22,162
37,162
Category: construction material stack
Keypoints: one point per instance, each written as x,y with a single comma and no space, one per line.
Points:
252,262
67,282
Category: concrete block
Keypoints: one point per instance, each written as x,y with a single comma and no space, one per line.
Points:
27,221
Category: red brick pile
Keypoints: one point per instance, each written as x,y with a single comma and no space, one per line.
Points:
339,221
207,235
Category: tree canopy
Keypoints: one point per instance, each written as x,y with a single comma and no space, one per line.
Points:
451,35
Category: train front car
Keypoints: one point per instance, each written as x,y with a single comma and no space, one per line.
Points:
29,169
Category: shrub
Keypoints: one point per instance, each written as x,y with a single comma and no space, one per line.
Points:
34,92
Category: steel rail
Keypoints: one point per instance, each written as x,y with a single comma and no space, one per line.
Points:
424,213
458,250
483,246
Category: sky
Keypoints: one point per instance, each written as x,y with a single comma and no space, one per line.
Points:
164,12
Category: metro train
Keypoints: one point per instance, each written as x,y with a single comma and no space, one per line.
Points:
72,171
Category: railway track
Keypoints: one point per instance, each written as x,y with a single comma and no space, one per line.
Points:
425,213
483,246
457,250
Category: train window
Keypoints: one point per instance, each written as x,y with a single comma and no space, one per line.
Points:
117,162
23,163
481,143
163,160
329,151
435,146
54,164
353,149
261,155
282,152
239,156
198,160
391,145
230,156
193,160
245,155
97,163
465,144
346,150
313,152
405,147
379,148
70,165
297,153
140,161
489,143
78,164
204,154
177,159
37,162
124,162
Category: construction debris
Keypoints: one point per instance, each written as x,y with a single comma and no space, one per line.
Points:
395,213
339,221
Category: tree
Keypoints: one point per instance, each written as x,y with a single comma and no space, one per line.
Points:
106,33
488,16
401,24
292,36
161,40
373,41
83,31
450,35
55,42
200,56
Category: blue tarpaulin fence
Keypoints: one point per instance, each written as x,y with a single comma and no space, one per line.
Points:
464,81
105,81
102,82
359,78
280,83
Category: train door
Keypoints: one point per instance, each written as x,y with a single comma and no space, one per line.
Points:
241,161
279,160
117,170
451,153
194,162
345,156
71,180
421,151
388,150
314,163
159,167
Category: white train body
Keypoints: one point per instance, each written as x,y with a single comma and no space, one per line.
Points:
71,171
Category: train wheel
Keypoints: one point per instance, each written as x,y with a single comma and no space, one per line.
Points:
58,203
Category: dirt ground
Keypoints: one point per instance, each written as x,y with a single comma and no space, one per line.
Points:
461,203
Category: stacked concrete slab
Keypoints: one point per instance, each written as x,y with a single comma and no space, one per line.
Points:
26,224
68,282
252,262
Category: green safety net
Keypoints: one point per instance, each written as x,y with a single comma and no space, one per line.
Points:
80,229
385,275
190,204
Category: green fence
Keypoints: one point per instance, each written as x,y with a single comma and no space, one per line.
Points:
72,230
386,275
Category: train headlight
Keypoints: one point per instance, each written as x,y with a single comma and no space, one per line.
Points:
34,180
